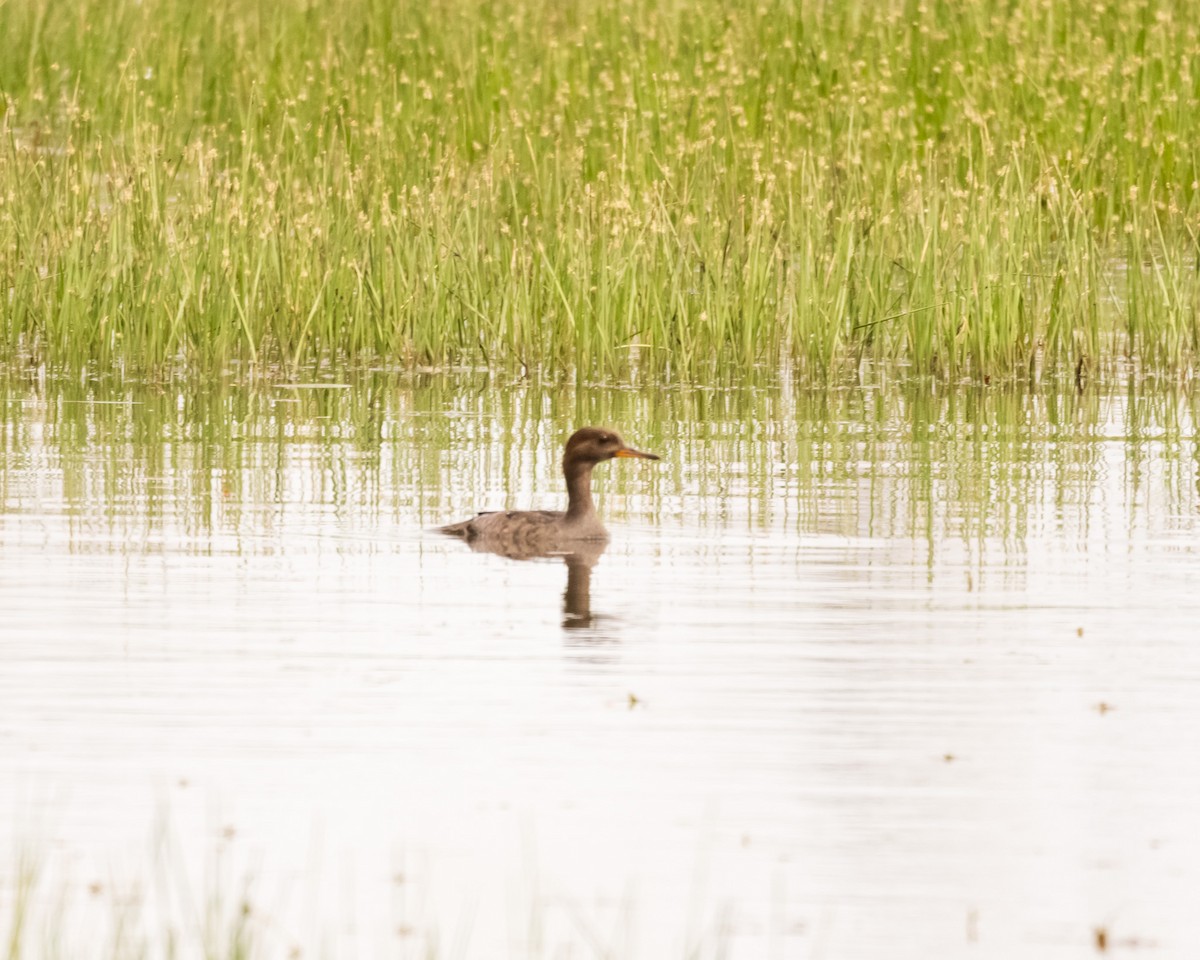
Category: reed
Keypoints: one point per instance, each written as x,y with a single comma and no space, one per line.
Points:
967,189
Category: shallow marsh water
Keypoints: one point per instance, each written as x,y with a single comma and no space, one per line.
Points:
864,672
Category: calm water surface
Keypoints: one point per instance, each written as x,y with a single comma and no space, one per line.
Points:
870,672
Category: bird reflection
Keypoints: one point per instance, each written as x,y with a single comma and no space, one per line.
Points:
580,557
577,598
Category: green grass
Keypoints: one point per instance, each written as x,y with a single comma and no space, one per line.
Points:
969,189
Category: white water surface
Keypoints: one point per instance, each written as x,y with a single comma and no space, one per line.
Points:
872,683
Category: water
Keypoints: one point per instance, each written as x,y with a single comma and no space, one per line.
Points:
868,672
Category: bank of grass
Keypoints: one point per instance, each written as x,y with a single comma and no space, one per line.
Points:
965,187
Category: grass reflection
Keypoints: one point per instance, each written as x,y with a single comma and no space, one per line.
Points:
225,466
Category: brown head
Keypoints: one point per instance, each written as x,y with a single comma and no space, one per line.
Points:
591,445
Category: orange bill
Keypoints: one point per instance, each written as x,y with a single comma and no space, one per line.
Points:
630,452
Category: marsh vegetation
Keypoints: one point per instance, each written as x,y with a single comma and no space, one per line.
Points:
967,189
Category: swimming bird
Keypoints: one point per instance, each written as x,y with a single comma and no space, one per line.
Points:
523,534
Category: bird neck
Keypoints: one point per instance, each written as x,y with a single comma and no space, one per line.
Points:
579,490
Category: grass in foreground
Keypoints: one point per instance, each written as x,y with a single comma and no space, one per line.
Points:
966,188
175,908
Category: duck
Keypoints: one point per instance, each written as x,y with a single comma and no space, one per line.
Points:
525,534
